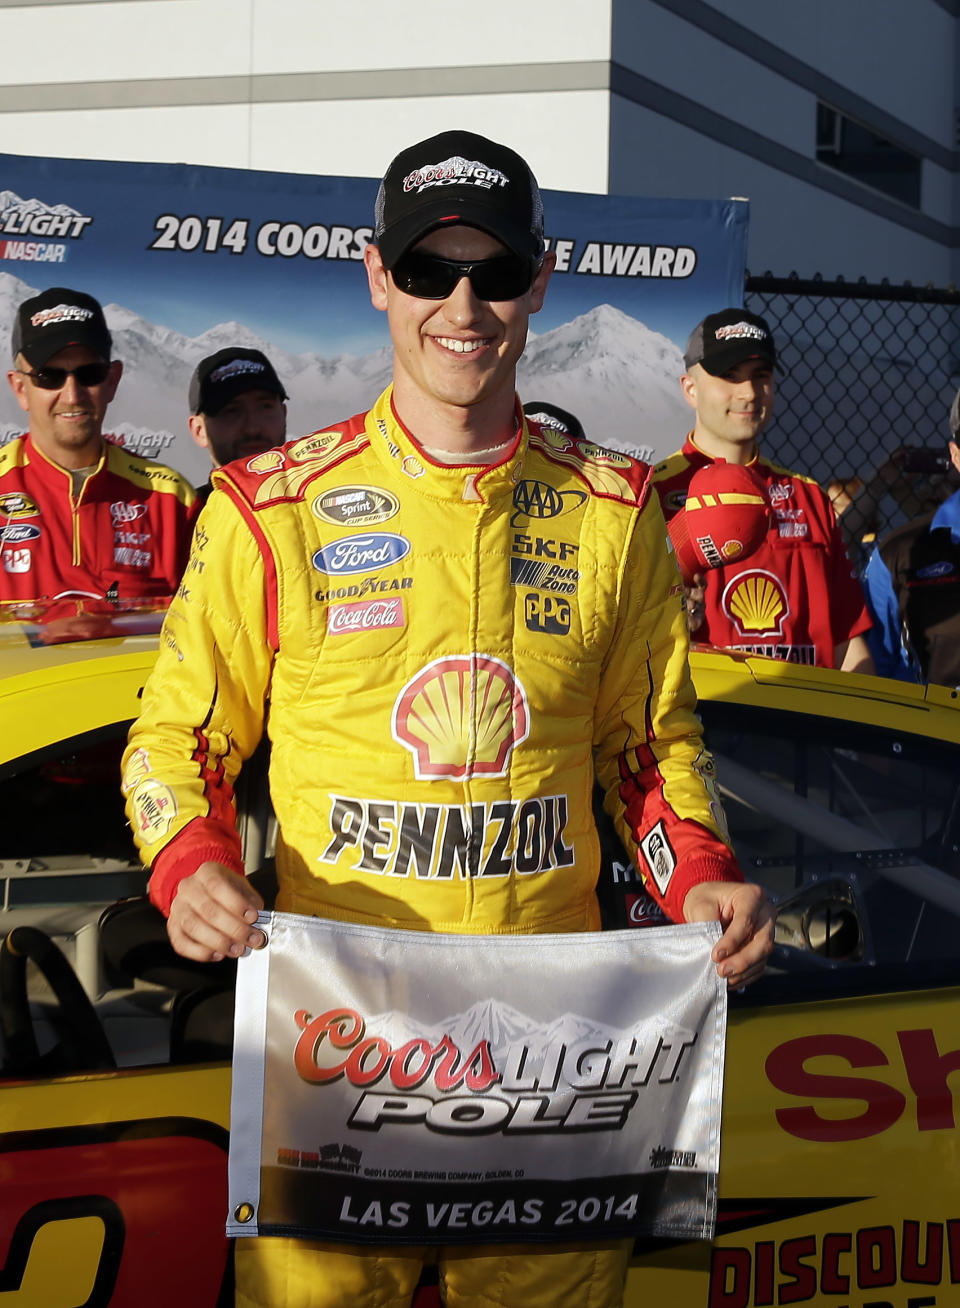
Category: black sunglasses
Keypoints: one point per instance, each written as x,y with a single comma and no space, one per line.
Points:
429,277
52,379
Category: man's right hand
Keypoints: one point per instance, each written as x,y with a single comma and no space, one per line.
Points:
212,913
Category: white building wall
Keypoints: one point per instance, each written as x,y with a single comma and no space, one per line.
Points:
655,97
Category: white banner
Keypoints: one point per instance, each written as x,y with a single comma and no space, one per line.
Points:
407,1087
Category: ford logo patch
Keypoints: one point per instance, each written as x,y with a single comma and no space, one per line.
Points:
934,570
361,553
18,532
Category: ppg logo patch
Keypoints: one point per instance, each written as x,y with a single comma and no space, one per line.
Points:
660,857
547,613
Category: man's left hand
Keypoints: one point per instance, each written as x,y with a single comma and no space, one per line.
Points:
747,917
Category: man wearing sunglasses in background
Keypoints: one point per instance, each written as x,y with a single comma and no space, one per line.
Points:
451,611
83,522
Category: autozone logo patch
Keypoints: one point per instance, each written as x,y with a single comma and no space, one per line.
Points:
537,499
542,575
461,716
361,553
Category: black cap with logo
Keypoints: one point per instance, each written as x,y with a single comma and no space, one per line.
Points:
551,415
220,377
55,319
728,338
458,177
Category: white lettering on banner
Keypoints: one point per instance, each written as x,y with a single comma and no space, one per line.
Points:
16,221
441,841
33,251
606,259
212,234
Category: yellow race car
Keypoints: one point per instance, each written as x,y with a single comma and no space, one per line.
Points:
840,1140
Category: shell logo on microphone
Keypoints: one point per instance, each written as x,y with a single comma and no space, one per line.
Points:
460,717
757,602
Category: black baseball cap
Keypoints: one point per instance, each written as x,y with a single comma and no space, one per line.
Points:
551,415
220,377
725,339
458,177
51,321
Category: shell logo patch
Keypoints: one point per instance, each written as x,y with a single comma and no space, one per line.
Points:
268,461
461,716
757,603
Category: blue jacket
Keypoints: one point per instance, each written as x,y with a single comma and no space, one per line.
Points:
898,640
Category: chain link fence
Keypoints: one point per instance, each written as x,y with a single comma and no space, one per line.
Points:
869,371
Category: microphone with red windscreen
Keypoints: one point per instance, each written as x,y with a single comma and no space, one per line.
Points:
724,518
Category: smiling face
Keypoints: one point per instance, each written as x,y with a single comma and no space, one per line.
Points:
65,424
732,410
252,422
455,359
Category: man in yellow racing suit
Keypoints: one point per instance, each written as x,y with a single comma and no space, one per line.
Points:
446,619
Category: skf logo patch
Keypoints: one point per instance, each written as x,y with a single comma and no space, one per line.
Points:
537,499
460,717
756,603
14,505
547,613
661,860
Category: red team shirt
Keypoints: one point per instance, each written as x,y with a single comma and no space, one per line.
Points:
127,533
796,597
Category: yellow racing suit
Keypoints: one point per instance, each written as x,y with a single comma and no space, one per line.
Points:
443,657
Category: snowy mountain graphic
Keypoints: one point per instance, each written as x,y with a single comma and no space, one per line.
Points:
10,200
503,1026
619,377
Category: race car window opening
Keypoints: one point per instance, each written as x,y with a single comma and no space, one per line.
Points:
854,824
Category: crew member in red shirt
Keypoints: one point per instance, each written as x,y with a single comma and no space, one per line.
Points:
83,522
796,597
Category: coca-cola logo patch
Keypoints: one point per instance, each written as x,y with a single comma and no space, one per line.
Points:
366,615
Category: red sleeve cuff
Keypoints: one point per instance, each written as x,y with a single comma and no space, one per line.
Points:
199,842
711,865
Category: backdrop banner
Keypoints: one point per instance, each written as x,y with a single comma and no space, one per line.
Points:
187,260
407,1087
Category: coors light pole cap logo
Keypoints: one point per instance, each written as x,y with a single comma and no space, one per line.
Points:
57,318
458,177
